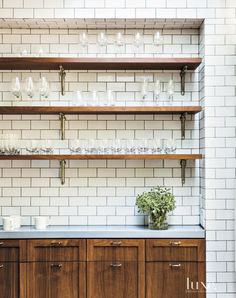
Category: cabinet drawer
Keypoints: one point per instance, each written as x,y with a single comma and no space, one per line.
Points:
175,250
9,250
56,250
116,250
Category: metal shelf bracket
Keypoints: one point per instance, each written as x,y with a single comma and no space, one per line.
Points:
183,120
63,122
62,171
183,163
182,76
62,74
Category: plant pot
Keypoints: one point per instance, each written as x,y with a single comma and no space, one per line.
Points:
158,222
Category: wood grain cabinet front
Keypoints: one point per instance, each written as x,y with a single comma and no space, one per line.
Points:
116,268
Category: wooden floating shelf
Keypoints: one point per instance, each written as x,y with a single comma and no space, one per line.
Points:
100,110
53,63
100,156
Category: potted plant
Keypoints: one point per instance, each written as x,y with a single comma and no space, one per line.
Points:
156,204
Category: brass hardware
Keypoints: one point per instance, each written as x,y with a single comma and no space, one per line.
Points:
175,266
116,243
62,171
1,243
175,243
115,265
57,266
183,120
62,75
182,76
62,118
1,266
183,167
56,243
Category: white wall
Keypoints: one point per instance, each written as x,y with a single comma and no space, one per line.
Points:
219,78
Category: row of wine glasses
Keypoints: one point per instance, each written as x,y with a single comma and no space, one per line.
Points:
123,146
95,98
119,40
29,87
9,144
158,89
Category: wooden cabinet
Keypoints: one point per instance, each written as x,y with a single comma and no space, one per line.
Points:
175,268
56,268
12,273
116,268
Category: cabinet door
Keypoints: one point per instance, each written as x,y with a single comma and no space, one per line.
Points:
9,280
115,279
175,280
56,280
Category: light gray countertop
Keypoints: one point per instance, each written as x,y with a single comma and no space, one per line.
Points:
29,232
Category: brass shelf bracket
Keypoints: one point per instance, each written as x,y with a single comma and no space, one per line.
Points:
183,120
182,76
183,163
62,171
62,118
62,74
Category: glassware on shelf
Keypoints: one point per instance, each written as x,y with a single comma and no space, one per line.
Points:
16,87
44,89
46,147
144,88
77,99
170,90
119,42
83,39
138,42
110,98
94,100
169,146
157,40
142,146
157,89
102,41
29,87
10,144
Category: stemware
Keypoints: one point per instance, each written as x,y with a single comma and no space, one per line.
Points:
157,89
29,87
170,90
102,41
110,98
83,39
144,88
119,42
16,87
169,146
138,41
157,40
44,89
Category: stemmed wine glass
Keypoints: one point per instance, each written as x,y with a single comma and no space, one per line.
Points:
16,87
144,88
44,89
138,42
29,87
83,39
157,89
102,41
157,40
119,42
170,90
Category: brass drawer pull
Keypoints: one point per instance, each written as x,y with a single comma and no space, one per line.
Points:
57,266
175,243
115,265
56,243
173,266
116,243
1,266
1,243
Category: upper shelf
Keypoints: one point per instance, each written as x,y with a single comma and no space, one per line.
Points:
53,63
100,110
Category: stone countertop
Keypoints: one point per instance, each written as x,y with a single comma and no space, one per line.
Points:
29,232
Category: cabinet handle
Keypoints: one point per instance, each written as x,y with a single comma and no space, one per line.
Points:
115,265
1,243
116,243
57,266
175,243
59,243
1,266
173,266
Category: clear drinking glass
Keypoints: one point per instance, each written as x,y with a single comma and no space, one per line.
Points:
83,39
170,90
29,87
16,87
144,88
94,101
169,146
138,42
44,89
110,98
157,41
102,41
120,41
157,89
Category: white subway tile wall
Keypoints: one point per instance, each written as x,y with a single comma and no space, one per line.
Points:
217,172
